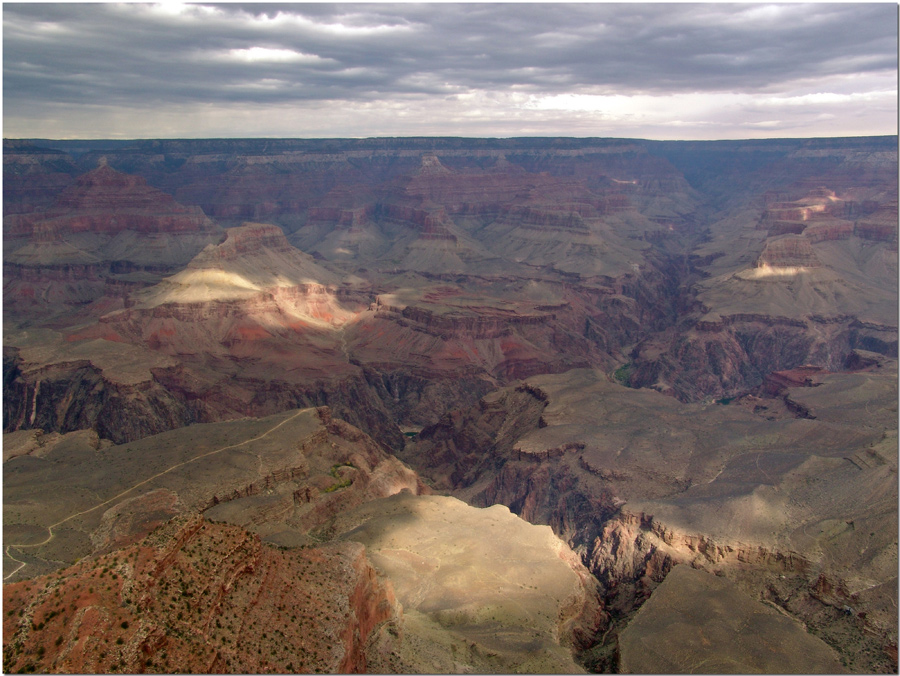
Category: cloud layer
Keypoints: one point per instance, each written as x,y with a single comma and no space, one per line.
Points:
647,70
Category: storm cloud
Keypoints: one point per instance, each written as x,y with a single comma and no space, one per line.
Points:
649,70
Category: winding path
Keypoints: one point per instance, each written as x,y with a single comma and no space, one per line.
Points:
50,528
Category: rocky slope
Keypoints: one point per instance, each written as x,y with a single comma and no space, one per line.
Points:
301,463
637,484
310,554
199,597
516,601
792,292
699,622
251,326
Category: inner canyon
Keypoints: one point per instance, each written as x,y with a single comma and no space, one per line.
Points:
450,405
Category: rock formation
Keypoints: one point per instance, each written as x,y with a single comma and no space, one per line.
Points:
516,601
633,482
105,236
107,202
199,597
672,353
699,622
323,567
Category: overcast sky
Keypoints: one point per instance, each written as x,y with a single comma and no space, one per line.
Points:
662,71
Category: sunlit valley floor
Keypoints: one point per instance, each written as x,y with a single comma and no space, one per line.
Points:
450,406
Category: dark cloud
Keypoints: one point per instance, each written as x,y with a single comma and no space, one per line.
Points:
141,56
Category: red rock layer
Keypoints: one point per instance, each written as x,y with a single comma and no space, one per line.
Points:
776,383
782,218
828,229
105,201
789,252
558,220
197,597
432,223
33,177
880,226
347,219
820,216
249,238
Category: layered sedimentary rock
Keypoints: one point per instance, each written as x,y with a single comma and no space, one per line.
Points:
107,202
435,283
771,301
251,326
881,225
788,252
793,217
107,234
303,465
33,176
299,336
636,483
606,223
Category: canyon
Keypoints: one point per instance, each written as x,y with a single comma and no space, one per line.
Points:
463,405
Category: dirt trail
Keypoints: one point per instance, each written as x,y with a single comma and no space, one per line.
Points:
50,528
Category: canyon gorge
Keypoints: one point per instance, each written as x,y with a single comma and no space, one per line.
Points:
450,405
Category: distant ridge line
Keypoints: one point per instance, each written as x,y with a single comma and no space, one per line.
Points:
274,145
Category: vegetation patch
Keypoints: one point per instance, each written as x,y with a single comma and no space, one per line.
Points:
622,374
342,483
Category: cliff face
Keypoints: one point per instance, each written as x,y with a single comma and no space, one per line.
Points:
637,483
788,252
731,355
880,226
72,396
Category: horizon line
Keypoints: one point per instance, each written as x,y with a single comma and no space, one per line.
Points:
435,137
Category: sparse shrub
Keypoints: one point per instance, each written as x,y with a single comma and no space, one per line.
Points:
623,374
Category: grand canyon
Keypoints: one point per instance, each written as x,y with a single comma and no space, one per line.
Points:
450,405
